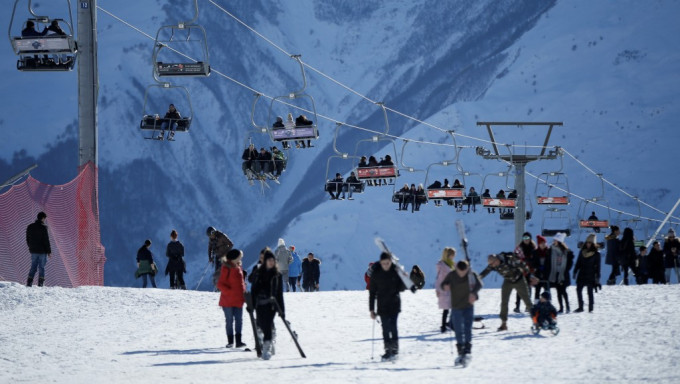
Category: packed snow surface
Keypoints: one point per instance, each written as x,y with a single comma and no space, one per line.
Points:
131,335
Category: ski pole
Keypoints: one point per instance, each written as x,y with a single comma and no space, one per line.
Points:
202,276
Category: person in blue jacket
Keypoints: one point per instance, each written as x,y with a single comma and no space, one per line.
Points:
294,270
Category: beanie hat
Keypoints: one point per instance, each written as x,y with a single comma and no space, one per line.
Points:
546,295
540,239
527,234
671,231
233,254
268,254
560,236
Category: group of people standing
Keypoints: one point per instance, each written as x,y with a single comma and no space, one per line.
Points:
176,266
656,264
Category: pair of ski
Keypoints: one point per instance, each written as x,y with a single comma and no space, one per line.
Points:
250,308
261,177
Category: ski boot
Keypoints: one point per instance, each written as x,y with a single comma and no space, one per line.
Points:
41,281
230,341
503,327
239,342
29,282
267,350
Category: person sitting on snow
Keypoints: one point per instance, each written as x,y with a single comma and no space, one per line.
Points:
544,313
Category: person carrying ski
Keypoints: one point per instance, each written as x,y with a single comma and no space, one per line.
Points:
463,285
232,287
219,245
544,314
267,288
513,270
587,271
384,287
445,265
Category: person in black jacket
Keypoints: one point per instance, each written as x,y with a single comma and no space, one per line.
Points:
145,264
612,256
627,253
169,121
670,257
655,264
303,121
38,240
267,288
587,271
384,287
250,157
561,262
253,274
278,124
30,31
176,266
311,272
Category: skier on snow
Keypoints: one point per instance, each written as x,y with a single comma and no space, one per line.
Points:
268,286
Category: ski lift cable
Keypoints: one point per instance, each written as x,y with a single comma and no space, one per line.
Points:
390,109
615,186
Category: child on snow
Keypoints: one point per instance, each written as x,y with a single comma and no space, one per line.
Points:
544,313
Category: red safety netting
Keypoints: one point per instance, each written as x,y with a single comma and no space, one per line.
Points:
73,224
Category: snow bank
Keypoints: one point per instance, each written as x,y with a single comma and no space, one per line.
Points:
112,335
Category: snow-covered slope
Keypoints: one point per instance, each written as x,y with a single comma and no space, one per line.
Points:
609,72
127,335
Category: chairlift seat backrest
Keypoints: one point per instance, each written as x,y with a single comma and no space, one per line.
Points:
488,202
594,224
553,200
553,232
298,133
445,194
50,44
182,69
380,172
150,123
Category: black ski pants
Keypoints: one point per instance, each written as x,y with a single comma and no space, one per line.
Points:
389,329
579,294
265,320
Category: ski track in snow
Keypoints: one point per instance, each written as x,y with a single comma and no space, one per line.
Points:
112,335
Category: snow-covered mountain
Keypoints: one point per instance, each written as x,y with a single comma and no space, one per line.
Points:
608,71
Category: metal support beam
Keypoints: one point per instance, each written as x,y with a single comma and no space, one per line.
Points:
88,82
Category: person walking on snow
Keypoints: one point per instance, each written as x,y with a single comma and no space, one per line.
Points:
283,259
38,241
561,261
145,264
587,271
513,271
268,286
444,266
176,267
232,287
311,273
294,270
384,287
219,245
463,285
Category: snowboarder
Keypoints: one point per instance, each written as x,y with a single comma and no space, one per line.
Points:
587,271
561,262
463,285
218,247
268,286
311,272
444,266
145,264
232,287
176,266
512,270
544,314
283,259
38,240
384,287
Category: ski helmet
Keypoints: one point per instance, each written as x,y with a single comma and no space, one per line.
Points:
210,230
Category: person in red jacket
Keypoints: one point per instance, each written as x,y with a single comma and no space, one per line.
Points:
232,286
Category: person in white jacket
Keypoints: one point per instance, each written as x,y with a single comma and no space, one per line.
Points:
444,266
283,259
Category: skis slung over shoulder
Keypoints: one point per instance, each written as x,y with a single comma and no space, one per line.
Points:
395,260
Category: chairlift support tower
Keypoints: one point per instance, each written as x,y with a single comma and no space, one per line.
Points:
88,82
519,161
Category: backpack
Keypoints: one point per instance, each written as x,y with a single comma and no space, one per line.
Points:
417,277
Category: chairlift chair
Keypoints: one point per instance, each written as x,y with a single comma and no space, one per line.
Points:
330,185
299,132
374,175
51,52
503,204
556,220
152,120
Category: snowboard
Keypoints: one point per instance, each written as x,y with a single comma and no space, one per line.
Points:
405,278
250,308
